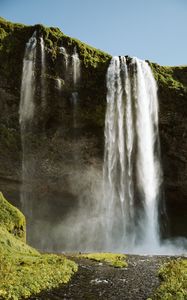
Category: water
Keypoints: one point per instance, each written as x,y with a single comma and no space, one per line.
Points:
132,172
26,109
59,84
76,67
43,71
76,72
74,101
65,55
26,113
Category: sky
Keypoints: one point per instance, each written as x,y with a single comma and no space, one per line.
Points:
148,29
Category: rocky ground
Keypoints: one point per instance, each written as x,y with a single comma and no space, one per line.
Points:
96,280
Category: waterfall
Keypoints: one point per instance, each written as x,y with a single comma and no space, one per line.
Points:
75,67
132,172
26,109
43,71
26,112
76,77
59,83
65,55
74,100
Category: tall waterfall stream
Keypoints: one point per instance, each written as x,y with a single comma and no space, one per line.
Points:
132,171
26,113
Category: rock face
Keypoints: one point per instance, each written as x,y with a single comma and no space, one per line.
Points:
60,151
172,91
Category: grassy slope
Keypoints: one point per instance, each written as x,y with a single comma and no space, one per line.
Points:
172,78
23,270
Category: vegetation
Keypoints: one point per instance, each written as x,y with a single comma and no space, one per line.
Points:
11,219
23,270
24,275
94,63
174,281
170,77
114,260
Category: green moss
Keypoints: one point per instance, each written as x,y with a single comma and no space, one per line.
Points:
3,34
13,38
23,270
90,56
174,281
12,45
11,245
24,275
168,77
12,219
114,260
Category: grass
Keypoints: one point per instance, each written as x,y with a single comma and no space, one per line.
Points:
112,259
173,281
166,77
12,219
23,270
22,275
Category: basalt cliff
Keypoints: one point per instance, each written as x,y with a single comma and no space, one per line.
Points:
65,143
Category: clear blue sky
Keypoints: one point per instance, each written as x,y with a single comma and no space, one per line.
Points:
149,29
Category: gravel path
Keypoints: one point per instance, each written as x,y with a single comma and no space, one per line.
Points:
99,281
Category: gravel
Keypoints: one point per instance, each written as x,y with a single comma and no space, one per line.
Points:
99,281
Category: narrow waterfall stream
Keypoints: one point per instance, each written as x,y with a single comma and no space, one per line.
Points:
26,109
26,113
43,70
132,172
65,55
65,61
76,72
75,67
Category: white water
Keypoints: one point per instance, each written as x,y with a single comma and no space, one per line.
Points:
76,67
43,71
76,77
26,109
26,113
59,83
76,72
148,166
132,173
65,55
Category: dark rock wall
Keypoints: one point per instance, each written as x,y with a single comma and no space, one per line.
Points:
172,83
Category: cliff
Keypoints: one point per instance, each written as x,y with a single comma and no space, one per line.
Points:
60,151
172,93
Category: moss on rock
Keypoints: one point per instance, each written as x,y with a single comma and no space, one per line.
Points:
23,270
12,219
170,77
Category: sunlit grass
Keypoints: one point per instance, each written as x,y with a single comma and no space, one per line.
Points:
24,275
115,260
174,281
